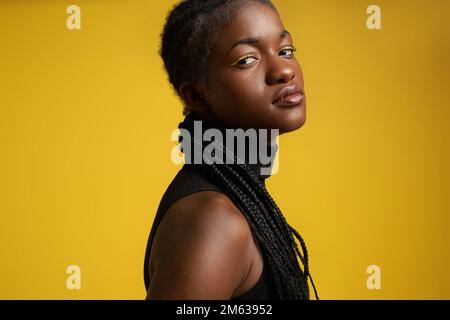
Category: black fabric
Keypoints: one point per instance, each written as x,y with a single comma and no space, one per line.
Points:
189,180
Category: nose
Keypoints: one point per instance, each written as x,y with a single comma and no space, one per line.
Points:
279,71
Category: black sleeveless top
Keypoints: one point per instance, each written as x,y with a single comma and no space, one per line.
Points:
188,181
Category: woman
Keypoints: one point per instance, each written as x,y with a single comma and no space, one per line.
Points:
223,237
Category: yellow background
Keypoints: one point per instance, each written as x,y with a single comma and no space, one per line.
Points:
86,118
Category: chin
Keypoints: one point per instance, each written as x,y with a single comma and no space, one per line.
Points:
293,122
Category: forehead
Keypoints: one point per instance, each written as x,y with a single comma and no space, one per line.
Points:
253,19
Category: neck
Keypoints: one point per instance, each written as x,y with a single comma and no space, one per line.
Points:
256,148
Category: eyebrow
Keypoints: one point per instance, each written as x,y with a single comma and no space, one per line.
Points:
252,40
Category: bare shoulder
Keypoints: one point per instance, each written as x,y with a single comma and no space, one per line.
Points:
209,212
202,249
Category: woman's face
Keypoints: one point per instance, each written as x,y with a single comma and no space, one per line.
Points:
245,78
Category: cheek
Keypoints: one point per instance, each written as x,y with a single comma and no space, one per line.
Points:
238,96
299,72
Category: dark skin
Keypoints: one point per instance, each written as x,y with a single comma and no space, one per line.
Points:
204,247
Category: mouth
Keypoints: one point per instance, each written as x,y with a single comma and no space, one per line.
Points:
289,96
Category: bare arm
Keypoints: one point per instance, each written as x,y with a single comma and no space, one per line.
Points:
203,250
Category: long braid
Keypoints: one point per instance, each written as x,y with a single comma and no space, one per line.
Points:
265,219
245,206
291,229
287,252
274,261
266,195
256,199
278,262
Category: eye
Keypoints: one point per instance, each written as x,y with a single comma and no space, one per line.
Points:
241,61
289,49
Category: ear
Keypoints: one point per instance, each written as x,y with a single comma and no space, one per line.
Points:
192,95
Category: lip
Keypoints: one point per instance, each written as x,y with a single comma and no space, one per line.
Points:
289,96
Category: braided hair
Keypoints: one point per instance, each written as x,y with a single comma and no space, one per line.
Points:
186,46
